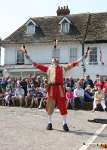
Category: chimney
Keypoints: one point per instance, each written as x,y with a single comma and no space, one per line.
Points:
63,11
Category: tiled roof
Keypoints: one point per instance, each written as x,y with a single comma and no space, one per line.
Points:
48,29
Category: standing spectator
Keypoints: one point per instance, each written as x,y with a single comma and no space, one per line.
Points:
88,81
23,83
4,84
100,82
97,78
69,97
81,82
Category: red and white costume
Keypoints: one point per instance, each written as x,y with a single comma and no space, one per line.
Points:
56,90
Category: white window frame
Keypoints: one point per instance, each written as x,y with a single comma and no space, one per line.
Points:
20,57
73,54
93,58
65,25
30,27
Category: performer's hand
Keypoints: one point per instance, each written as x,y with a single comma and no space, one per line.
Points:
23,49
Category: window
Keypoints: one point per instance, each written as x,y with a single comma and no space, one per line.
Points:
65,27
93,56
30,28
73,54
20,57
56,53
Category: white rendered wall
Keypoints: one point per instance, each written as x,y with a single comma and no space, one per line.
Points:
39,53
99,68
2,56
42,53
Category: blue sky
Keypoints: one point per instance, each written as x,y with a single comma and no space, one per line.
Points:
14,13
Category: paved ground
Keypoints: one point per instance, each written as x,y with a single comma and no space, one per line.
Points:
25,129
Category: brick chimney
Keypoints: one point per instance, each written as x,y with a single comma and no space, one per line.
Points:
63,11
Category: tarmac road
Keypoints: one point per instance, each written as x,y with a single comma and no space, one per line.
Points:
25,129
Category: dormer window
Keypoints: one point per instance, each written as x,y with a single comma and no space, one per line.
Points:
65,25
31,27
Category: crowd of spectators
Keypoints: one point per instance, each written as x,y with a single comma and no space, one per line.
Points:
32,92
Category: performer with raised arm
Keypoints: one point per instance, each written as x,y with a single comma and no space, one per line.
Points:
56,91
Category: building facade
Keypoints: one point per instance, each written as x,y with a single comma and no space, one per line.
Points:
74,33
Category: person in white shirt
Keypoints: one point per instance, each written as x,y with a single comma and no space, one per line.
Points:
19,95
78,96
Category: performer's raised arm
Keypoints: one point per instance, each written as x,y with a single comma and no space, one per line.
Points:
35,65
77,62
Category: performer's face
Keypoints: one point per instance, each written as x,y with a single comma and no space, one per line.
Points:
55,61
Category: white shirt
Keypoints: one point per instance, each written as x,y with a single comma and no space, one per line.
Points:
19,92
79,92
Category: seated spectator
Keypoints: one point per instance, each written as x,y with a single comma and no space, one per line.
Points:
7,97
88,95
19,95
43,99
69,97
2,97
39,96
31,97
99,99
78,96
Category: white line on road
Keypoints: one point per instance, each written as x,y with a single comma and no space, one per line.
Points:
91,139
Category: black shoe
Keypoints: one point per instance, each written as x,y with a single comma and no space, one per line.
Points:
65,127
105,110
91,120
49,127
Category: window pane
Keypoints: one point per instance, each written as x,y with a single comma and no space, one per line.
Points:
65,27
20,57
93,56
30,29
73,54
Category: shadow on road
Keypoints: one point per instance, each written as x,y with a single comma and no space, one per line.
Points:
98,120
80,132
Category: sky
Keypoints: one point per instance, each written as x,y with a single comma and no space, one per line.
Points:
14,13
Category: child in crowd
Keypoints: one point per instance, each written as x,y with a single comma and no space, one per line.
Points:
99,99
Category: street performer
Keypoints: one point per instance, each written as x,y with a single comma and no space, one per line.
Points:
56,92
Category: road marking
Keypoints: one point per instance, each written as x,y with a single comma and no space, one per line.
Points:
91,139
